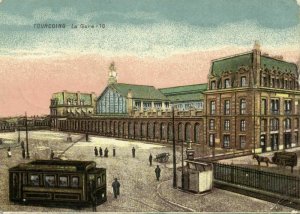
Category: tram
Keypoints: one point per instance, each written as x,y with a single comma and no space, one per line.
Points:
55,182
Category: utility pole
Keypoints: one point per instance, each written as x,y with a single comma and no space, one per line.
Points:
174,150
27,148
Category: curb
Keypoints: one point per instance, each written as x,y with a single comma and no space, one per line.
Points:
168,201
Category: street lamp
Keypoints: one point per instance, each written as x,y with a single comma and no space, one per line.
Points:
26,126
174,150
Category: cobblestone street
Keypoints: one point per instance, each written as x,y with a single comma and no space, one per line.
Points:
139,189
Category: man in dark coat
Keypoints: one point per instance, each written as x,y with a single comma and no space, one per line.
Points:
96,151
22,145
51,155
116,187
133,152
106,152
100,152
114,151
150,159
157,172
23,153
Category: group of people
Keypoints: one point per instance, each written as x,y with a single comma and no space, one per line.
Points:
105,152
100,152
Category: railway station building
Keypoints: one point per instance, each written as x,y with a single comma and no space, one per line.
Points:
250,102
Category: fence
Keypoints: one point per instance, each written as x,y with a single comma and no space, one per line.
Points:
260,180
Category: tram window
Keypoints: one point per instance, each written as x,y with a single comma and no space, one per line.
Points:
34,180
50,180
99,181
75,182
63,181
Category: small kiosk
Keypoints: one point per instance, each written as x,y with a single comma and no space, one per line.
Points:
196,177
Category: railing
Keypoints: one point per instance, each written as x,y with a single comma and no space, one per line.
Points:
257,179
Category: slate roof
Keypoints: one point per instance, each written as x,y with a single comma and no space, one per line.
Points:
145,92
185,93
86,97
233,63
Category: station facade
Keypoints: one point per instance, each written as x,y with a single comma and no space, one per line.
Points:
250,102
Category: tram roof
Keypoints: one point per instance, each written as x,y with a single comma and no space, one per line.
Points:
56,165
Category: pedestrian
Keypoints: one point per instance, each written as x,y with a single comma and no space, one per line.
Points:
8,152
96,151
150,159
22,145
133,152
100,152
23,153
86,137
116,187
51,155
114,151
106,152
157,173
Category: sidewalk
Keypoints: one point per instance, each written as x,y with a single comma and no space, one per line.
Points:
215,201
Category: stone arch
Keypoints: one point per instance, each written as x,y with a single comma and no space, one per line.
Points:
180,132
164,131
170,132
124,133
115,128
120,129
143,130
131,129
197,133
156,131
136,130
187,132
150,130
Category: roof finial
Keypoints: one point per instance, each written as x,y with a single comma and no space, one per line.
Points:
112,73
256,45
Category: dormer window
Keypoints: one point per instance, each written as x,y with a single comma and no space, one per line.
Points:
227,83
213,85
243,82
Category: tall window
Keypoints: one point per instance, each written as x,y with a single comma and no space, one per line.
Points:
211,140
211,124
226,141
227,83
243,82
146,105
243,125
227,107
213,85
158,105
263,125
263,106
212,107
243,106
287,106
227,125
273,82
274,106
274,124
296,123
287,123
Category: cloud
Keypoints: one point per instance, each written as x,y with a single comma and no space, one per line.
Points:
158,40
298,2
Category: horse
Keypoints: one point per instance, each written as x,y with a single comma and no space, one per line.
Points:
262,159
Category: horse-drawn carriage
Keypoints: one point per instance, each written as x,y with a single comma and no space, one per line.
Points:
162,157
285,159
280,159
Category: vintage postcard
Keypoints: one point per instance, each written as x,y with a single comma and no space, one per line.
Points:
149,106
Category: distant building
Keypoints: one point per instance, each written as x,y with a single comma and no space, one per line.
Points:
72,104
125,99
187,97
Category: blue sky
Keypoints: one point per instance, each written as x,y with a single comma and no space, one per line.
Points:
146,27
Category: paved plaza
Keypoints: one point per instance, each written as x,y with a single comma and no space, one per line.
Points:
139,189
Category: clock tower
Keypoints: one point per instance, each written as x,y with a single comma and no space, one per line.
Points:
112,74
